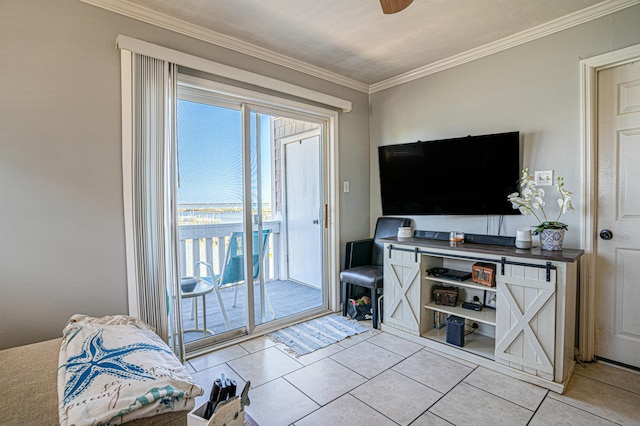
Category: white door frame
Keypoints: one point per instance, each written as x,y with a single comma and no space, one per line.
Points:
269,104
589,110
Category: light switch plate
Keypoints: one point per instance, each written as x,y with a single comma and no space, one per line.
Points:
544,178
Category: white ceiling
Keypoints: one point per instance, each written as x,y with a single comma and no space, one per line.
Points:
353,42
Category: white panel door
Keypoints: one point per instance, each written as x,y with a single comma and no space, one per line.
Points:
526,320
618,249
303,211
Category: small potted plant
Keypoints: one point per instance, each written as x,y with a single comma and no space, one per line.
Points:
531,199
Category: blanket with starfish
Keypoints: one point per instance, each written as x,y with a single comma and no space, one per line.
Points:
115,369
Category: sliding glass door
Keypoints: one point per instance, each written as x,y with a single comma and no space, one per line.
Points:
251,216
211,211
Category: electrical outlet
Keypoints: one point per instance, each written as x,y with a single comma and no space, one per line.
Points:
346,186
544,178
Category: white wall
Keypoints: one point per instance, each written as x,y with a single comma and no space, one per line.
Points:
61,220
533,88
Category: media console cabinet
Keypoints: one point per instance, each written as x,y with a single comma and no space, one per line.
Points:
530,335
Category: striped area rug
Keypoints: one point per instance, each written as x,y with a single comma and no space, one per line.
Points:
317,333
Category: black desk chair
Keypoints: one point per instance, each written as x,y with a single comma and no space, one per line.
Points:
363,262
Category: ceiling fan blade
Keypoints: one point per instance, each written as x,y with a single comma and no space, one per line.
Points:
394,6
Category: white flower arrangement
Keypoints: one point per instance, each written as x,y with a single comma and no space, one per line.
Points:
532,199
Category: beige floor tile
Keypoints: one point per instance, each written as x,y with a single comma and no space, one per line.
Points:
603,400
396,396
258,344
524,394
218,357
395,344
288,389
263,366
278,403
435,371
468,405
553,412
430,419
354,340
345,410
611,375
325,380
206,377
452,357
367,359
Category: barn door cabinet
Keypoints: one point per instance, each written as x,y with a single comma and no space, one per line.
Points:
530,335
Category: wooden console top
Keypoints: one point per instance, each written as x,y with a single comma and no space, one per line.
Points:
565,255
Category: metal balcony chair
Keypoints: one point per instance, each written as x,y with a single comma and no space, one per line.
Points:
232,274
363,263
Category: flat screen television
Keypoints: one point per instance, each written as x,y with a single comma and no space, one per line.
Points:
462,176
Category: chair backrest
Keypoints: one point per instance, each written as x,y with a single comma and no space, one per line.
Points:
233,268
385,227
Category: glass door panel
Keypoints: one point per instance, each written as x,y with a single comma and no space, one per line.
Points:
210,209
261,226
287,222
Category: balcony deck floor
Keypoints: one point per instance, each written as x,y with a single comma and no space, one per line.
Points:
287,298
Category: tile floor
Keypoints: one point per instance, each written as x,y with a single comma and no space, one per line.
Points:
379,379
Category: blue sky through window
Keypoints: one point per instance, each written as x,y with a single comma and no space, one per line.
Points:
210,154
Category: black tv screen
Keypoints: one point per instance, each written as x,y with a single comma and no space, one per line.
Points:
463,176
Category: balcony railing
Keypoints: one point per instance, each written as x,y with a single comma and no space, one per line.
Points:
208,243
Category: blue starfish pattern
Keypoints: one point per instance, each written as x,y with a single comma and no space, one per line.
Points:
95,359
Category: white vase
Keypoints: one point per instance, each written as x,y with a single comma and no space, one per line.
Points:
552,239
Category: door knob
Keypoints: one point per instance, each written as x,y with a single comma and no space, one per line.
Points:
605,234
316,221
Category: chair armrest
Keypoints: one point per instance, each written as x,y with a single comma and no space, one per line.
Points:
358,253
196,269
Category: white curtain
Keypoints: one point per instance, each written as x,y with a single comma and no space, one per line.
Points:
149,162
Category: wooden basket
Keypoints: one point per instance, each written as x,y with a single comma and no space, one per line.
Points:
484,273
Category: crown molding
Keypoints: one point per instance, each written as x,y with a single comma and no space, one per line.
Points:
560,24
182,27
185,28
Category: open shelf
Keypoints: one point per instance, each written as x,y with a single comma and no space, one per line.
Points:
485,316
475,343
466,283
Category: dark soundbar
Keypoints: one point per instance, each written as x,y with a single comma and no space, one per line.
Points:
495,240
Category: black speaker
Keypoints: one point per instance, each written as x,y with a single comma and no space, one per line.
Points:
455,330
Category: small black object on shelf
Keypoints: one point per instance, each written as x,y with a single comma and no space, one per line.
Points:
448,274
475,305
436,272
455,330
